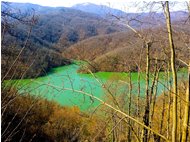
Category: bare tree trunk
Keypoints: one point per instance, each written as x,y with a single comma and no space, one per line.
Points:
153,94
153,81
139,91
129,108
174,74
138,99
187,112
147,105
154,101
180,119
162,117
163,109
169,101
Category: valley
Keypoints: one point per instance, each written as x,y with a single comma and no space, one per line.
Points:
91,72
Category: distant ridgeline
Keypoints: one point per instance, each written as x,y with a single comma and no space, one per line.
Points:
60,34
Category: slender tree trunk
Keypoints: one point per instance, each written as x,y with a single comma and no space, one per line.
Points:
187,110
154,101
163,109
180,119
187,103
151,94
138,99
153,81
129,108
174,74
162,117
169,102
147,105
155,95
139,91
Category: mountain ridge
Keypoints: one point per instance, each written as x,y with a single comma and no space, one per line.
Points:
101,10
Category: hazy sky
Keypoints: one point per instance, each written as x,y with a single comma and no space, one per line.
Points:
69,3
125,5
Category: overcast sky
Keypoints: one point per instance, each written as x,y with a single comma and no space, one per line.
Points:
125,5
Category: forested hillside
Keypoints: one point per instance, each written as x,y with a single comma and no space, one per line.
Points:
81,75
65,25
124,51
46,37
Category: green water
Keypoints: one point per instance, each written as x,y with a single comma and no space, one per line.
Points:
52,86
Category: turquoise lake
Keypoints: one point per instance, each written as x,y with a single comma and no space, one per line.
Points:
52,86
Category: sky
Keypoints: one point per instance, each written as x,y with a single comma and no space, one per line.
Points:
124,5
118,4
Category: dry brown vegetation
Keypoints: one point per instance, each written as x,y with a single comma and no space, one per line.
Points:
121,52
122,114
26,118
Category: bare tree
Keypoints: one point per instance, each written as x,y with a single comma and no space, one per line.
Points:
174,73
187,110
147,106
169,100
187,103
129,107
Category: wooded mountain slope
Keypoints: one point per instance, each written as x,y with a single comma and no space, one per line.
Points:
65,24
107,43
125,51
53,30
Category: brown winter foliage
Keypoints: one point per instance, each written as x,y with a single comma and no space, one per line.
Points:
121,52
127,111
26,118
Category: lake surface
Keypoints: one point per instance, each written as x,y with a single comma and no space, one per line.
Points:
52,86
